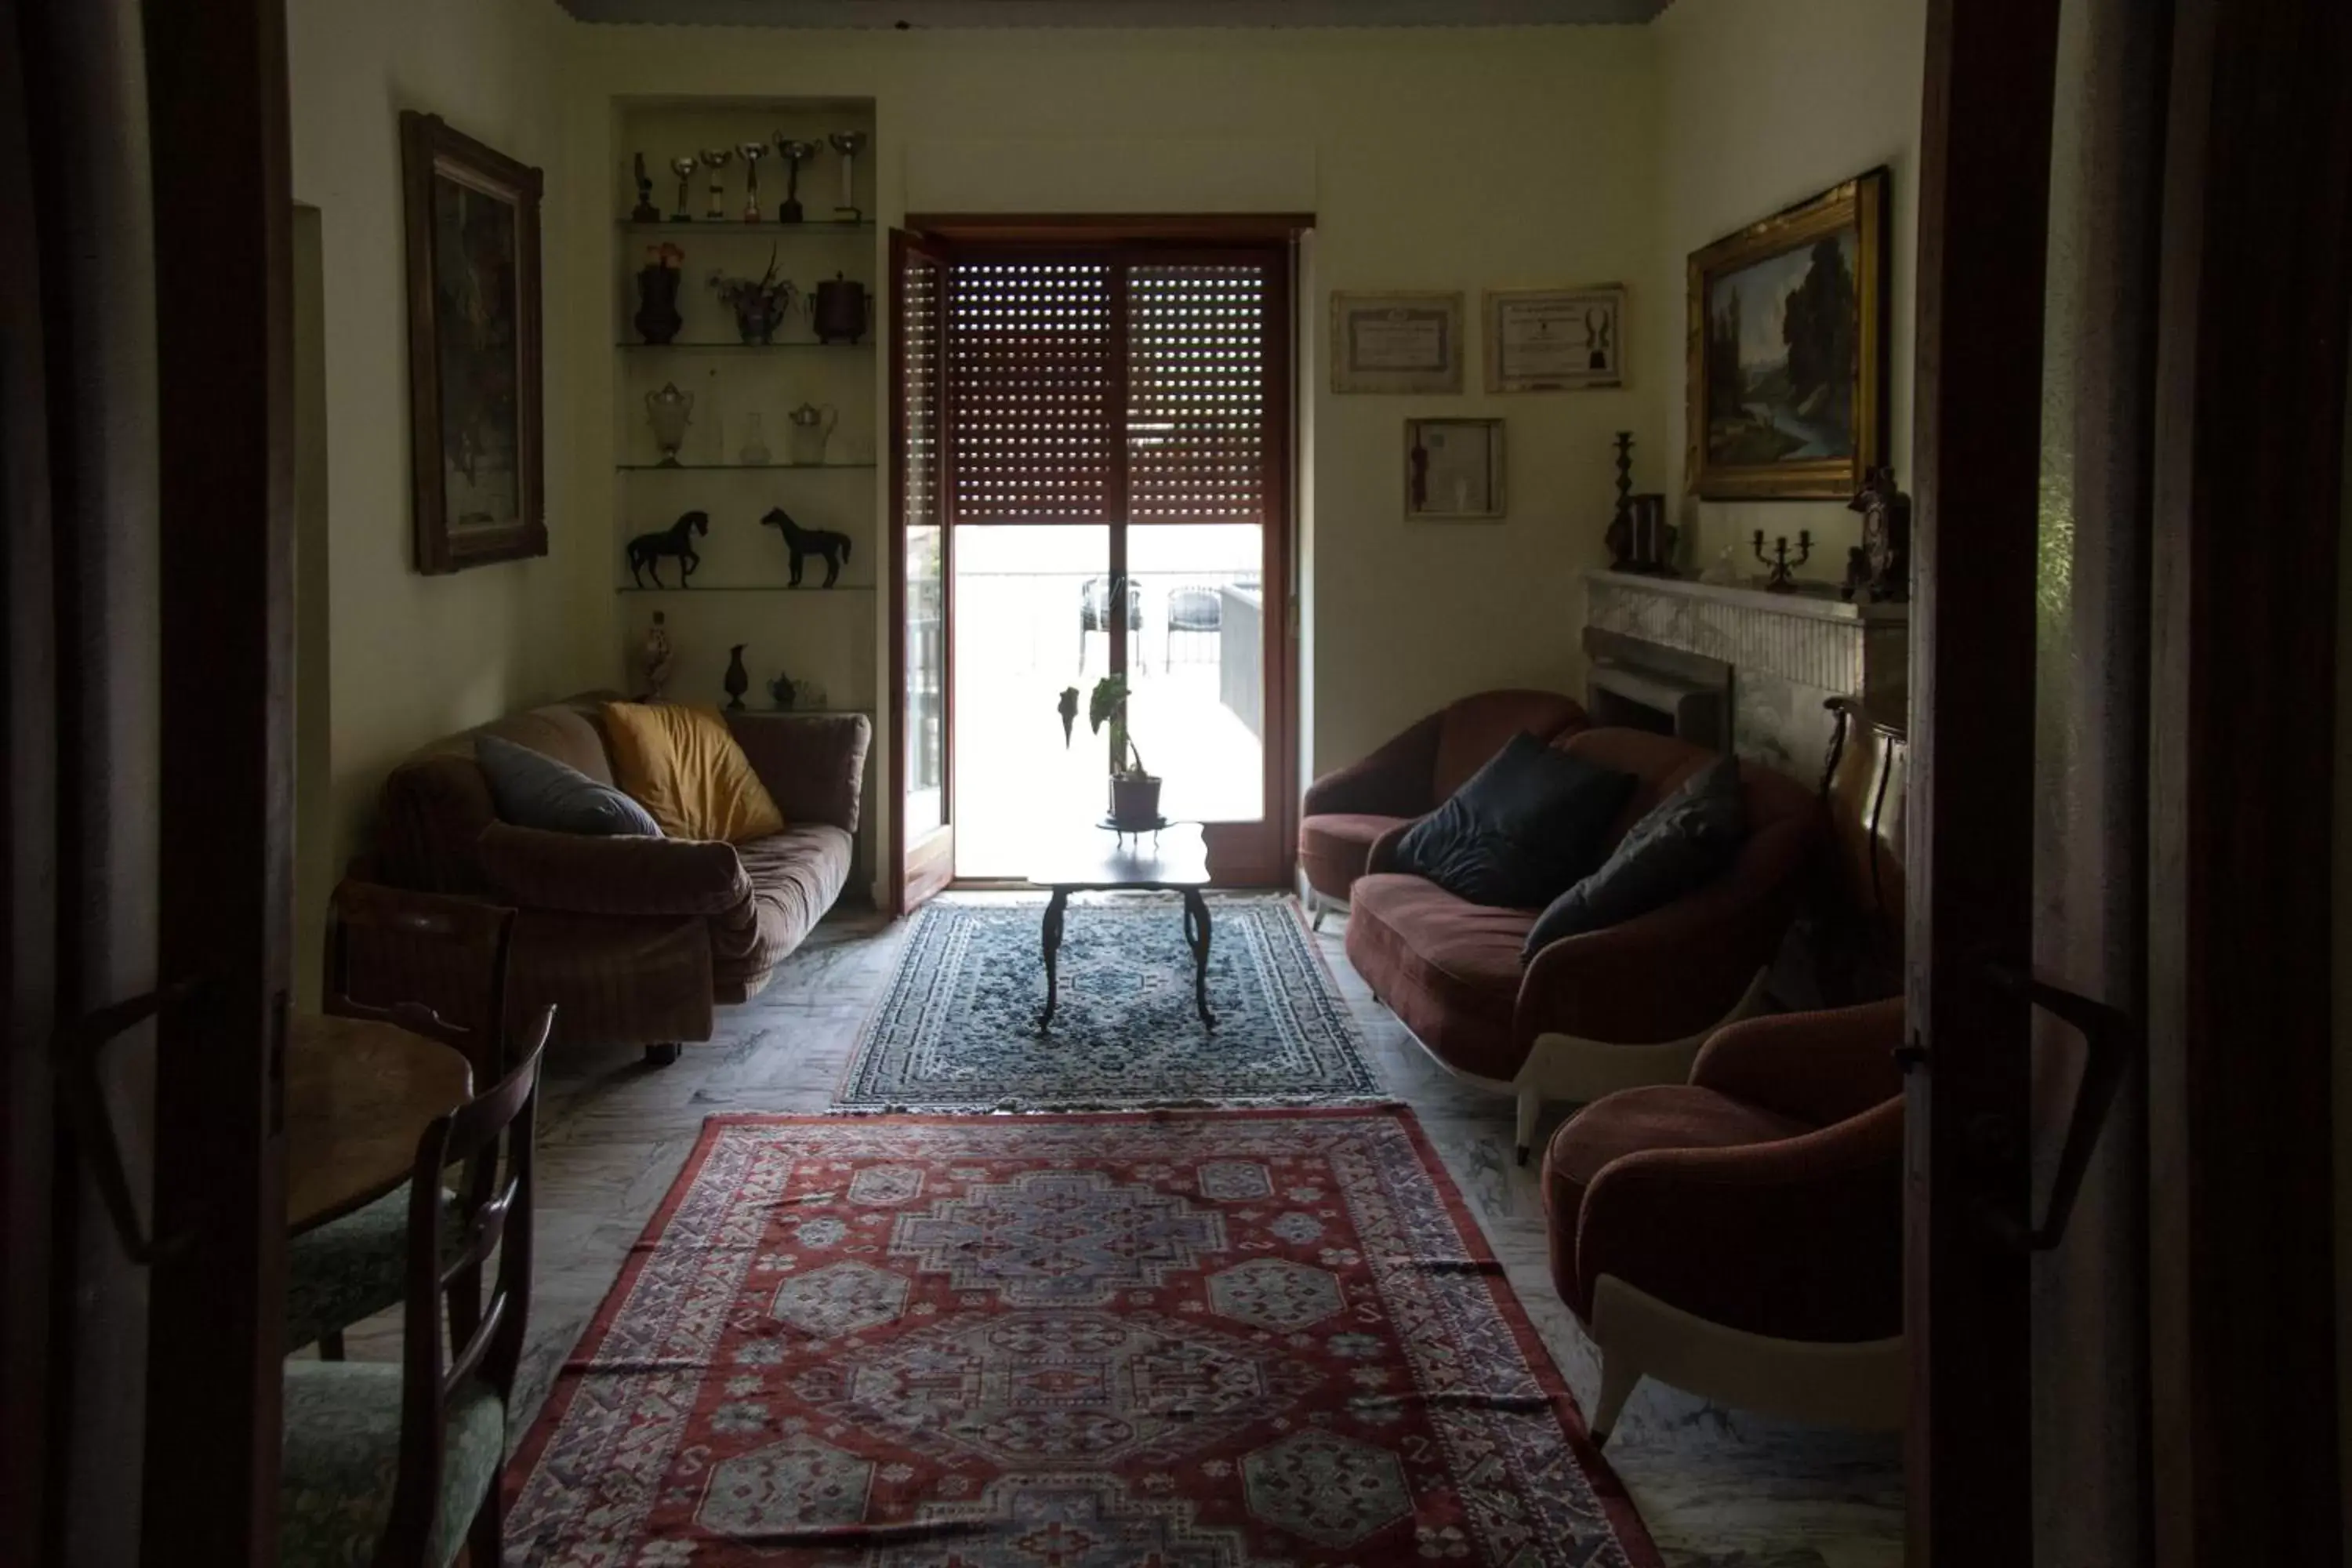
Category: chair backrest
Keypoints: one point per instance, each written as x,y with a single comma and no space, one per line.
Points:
1473,729
434,966
492,1215
1194,609
1863,787
1094,605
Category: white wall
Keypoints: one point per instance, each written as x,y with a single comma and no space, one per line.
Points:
1761,106
1431,159
415,656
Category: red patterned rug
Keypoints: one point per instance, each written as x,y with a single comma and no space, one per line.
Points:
1181,1340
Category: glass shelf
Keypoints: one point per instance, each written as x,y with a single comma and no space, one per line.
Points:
804,590
826,226
736,468
858,349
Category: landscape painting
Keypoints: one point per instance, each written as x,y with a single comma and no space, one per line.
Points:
1787,373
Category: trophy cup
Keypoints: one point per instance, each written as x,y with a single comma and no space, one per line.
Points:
752,152
644,211
684,169
669,412
847,143
714,160
794,155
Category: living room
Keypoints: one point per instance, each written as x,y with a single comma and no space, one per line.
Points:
868,1150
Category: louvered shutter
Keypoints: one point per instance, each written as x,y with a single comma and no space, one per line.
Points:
1032,391
1200,424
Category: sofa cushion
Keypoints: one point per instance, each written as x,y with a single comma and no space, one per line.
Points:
1333,848
1685,842
1667,1116
536,791
1448,968
795,877
685,766
1528,825
1473,729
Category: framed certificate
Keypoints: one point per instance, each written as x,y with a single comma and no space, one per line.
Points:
1452,470
1408,343
1555,339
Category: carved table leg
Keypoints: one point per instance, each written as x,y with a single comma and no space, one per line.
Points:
1196,932
1054,907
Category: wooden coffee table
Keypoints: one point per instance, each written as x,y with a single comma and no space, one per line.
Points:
1174,860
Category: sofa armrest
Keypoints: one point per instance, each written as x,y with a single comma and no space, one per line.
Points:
813,763
1818,1068
1392,781
625,875
1800,1239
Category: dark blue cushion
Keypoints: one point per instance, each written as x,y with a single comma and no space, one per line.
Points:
535,791
1687,841
1529,824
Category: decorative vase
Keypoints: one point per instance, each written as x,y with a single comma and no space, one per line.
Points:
1135,802
669,412
755,453
811,429
657,317
781,693
739,679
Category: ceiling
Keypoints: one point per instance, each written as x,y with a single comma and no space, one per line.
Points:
1115,13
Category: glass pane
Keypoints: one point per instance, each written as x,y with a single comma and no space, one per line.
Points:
1031,618
926,736
1197,666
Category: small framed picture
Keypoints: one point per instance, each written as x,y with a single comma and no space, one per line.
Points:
1555,339
1409,342
1452,470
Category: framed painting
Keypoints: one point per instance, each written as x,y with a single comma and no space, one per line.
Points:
1407,342
1787,390
1555,339
474,377
1452,470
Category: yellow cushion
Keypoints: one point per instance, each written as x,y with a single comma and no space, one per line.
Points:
682,764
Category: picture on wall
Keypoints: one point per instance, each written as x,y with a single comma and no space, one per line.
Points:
1788,350
1555,339
1452,470
474,358
1408,343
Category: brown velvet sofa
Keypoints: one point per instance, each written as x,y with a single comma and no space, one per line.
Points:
1607,1010
634,940
1741,1235
1346,812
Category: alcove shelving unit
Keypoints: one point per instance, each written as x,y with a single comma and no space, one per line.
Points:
741,592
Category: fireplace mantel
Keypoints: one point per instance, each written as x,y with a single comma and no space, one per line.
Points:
1810,601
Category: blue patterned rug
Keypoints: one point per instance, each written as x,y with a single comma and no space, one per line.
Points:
957,1028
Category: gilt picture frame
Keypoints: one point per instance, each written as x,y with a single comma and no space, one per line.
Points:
1407,342
476,440
1786,397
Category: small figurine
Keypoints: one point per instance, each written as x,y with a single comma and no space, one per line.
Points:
647,550
657,650
780,692
1886,553
739,679
803,543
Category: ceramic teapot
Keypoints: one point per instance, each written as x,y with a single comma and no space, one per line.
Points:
811,429
669,412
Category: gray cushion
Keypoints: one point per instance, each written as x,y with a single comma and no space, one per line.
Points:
1527,825
341,1454
1685,842
536,791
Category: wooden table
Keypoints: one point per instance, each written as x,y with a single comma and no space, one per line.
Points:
1175,859
358,1097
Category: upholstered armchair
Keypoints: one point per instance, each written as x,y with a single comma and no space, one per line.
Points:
1410,776
1741,1235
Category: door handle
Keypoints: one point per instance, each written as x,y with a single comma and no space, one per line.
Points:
80,1045
2110,1040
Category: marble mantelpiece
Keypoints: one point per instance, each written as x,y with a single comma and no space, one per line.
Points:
1788,653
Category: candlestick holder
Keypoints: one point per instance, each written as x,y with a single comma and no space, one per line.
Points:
1620,536
1778,569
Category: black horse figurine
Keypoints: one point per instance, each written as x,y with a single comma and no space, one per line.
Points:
647,550
805,543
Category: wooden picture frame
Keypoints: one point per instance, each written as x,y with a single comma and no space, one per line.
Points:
1408,343
1555,339
1453,471
477,437
1776,416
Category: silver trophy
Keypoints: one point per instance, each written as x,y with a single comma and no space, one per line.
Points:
848,143
752,152
714,160
684,169
794,155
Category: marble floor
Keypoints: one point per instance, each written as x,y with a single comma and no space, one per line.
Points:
1719,1487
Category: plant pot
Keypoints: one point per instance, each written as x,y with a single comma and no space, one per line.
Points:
657,317
1135,803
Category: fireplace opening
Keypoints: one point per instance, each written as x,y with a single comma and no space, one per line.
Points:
1637,685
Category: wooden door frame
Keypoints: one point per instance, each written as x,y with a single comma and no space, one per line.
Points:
1983,222
2254,306
903,896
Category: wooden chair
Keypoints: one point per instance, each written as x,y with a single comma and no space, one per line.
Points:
434,966
398,1466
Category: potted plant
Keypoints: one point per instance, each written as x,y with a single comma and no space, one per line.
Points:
760,304
1134,793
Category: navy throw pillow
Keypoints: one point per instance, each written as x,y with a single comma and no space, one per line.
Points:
1687,841
536,791
1529,823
